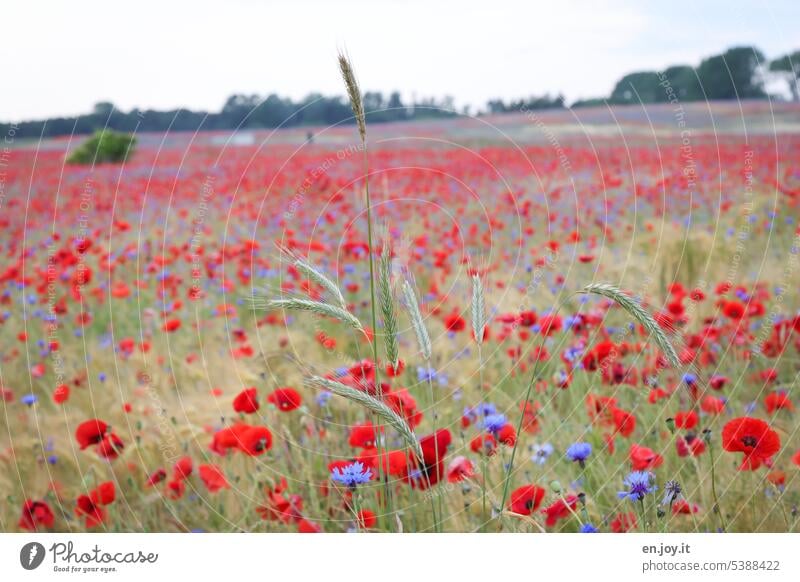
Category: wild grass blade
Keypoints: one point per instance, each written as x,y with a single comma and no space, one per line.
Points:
387,304
423,339
318,307
478,309
374,405
315,274
639,313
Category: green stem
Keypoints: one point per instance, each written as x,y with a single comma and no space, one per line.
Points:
717,508
386,489
436,518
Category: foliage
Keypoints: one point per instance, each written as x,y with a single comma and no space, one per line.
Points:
103,147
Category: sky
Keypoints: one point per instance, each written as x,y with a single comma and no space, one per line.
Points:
60,57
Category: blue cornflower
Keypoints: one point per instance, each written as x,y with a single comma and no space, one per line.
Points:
638,484
486,408
102,376
426,374
541,453
351,475
494,422
323,397
672,493
579,452
689,378
588,528
29,399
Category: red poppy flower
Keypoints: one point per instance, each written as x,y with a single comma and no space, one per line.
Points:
549,324
507,435
110,447
156,477
104,494
712,405
484,444
623,522
91,506
697,294
527,318
228,438
213,477
454,322
394,371
362,436
690,445
35,515
754,438
171,325
90,432
733,310
778,401
285,399
644,458
366,519
246,401
681,506
560,509
717,382
526,499
434,448
404,404
94,514
460,468
686,420
61,394
624,422
256,440
183,468
393,463
305,526
176,488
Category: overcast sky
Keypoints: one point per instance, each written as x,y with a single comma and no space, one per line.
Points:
60,57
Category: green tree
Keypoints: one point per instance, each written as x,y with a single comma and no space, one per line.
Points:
635,87
789,67
684,82
105,146
735,74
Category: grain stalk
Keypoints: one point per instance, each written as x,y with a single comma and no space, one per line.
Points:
357,105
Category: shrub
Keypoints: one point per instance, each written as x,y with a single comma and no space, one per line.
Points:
105,146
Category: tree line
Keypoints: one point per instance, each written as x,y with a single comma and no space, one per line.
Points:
738,73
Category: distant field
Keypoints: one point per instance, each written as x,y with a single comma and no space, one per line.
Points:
142,392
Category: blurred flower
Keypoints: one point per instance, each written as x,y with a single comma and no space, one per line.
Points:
639,484
351,475
541,453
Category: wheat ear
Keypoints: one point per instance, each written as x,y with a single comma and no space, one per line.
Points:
373,404
315,274
637,312
423,339
386,298
353,94
317,307
478,309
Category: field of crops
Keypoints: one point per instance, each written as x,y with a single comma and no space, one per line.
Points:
188,340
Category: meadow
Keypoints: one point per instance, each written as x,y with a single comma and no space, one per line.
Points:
145,389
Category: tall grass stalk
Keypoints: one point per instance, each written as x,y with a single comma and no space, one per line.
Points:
387,305
424,341
478,308
357,105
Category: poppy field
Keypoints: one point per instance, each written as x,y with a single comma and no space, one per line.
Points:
536,329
